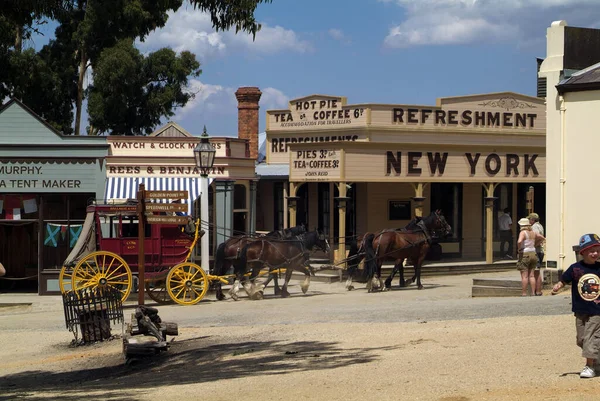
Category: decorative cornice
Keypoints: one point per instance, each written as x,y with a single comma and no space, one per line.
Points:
508,103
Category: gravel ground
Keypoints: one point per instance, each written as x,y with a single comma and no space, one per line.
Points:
434,344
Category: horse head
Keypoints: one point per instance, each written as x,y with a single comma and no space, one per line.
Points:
439,225
316,239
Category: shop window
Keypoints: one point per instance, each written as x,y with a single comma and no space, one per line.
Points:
239,196
302,206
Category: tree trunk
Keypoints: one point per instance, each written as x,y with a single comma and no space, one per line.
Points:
82,68
19,39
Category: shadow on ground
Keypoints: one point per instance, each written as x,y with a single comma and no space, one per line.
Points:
192,361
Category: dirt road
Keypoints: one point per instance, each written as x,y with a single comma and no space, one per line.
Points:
330,345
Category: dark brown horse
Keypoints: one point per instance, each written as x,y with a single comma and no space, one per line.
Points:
412,242
289,254
228,252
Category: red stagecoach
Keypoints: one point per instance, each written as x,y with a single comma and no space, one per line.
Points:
106,254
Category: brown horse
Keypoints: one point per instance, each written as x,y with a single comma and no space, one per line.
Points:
290,254
228,253
412,242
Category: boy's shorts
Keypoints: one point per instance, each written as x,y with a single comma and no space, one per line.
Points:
529,260
588,334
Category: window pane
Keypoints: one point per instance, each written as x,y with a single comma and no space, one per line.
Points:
239,196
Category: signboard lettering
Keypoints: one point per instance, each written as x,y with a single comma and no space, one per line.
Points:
166,207
28,177
283,144
163,170
317,113
466,118
315,165
159,145
167,219
509,164
167,195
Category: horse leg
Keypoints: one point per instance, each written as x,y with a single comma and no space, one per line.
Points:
375,280
306,282
409,281
418,272
233,292
288,276
388,281
256,294
219,287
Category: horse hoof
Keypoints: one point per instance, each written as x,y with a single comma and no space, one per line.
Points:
350,287
220,297
285,294
407,283
257,296
234,296
420,287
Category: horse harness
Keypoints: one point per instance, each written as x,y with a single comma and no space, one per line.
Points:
304,253
423,228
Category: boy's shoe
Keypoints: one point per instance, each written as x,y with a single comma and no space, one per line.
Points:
587,373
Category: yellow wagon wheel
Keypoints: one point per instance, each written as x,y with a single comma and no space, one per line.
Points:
187,283
157,291
100,270
64,279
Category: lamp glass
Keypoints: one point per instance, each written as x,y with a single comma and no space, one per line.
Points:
204,154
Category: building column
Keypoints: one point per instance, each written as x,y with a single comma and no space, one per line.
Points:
252,211
224,211
489,222
418,199
292,200
342,198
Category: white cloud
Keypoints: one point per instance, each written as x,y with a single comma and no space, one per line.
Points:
272,98
442,22
189,29
214,104
209,99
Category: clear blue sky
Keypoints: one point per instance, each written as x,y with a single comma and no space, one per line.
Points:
379,51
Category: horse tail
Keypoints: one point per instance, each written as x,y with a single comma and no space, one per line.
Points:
219,260
353,258
370,256
242,262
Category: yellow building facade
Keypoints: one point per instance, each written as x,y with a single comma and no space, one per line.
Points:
348,169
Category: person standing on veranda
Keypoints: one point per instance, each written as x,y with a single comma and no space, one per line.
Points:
506,235
534,220
527,263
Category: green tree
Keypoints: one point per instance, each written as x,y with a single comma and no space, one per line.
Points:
131,92
86,29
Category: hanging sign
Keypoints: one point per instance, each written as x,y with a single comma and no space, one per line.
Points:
166,207
166,220
167,195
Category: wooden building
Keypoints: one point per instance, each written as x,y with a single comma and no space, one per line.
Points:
351,168
46,182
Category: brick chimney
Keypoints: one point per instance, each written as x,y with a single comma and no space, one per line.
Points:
248,98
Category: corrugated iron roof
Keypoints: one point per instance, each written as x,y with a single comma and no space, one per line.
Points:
265,170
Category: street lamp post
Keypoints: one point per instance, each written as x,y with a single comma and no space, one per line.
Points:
204,155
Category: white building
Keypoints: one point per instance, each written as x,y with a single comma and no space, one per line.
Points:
572,138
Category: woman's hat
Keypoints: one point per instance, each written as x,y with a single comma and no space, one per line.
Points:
534,216
587,241
524,222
